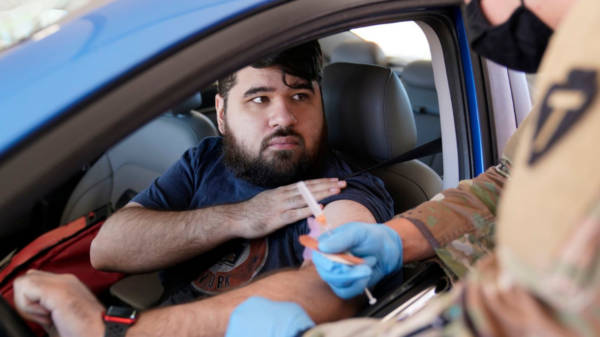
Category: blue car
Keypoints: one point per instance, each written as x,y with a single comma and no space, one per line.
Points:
99,102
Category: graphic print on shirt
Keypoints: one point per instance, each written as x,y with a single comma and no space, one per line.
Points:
235,269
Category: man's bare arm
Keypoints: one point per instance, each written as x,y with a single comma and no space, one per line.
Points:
137,240
211,316
72,308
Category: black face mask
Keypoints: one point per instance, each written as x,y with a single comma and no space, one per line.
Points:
518,44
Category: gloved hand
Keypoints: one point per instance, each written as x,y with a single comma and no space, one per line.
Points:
260,317
379,245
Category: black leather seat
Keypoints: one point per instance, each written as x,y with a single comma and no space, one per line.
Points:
370,119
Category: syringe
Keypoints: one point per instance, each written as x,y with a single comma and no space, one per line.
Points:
322,220
314,206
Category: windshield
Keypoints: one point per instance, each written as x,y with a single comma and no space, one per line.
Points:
22,19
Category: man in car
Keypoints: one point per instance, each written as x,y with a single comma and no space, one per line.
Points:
242,186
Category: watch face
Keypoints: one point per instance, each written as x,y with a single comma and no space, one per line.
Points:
121,312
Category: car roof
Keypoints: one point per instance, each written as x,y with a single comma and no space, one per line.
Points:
40,79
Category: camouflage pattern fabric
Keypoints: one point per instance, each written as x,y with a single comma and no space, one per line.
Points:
460,223
544,277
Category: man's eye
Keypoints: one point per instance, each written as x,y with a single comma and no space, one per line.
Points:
300,97
261,99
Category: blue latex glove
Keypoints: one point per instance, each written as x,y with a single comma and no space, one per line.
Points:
378,245
260,317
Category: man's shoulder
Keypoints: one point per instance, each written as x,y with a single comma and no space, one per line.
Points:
210,144
343,167
209,147
365,189
336,163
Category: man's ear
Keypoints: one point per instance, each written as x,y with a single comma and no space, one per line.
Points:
220,107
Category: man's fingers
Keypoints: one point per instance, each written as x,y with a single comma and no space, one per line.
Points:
28,291
326,186
310,183
293,187
315,186
298,201
45,320
36,309
27,302
320,195
294,215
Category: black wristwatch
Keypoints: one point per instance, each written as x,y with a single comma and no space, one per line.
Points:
118,320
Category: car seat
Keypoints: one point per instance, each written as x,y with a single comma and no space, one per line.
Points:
419,83
370,120
420,87
128,168
131,165
364,52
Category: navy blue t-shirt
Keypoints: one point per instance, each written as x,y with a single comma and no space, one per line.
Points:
200,179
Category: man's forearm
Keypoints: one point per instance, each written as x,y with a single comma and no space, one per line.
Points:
137,240
211,316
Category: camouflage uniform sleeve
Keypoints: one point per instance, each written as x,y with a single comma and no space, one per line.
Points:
459,223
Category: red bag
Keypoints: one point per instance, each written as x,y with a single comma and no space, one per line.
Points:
65,249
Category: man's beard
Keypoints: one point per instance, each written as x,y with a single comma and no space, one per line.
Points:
281,169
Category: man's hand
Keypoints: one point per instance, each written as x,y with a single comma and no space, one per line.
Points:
260,317
379,245
59,300
273,209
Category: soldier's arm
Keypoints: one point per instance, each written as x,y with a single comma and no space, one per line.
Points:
457,224
465,213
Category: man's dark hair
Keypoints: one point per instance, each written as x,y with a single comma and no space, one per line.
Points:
304,61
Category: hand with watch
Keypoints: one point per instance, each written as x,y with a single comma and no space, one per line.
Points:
118,320
64,304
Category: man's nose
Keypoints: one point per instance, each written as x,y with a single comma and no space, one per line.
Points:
282,115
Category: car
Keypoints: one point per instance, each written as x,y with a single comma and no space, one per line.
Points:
87,102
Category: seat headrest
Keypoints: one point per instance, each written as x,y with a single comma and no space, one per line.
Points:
186,106
419,74
368,111
364,52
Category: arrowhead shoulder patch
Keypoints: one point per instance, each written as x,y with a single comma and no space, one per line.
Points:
562,107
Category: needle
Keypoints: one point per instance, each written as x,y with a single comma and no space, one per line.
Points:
314,206
320,217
